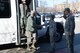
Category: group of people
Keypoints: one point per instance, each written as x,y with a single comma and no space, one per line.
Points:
69,28
28,25
31,28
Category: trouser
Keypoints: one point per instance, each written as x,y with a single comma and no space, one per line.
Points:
70,42
52,39
23,25
31,38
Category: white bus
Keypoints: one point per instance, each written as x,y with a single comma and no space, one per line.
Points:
10,22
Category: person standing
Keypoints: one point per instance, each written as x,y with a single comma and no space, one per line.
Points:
31,31
23,18
52,31
69,29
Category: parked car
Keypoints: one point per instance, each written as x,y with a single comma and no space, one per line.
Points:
43,33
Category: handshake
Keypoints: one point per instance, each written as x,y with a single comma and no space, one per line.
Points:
45,24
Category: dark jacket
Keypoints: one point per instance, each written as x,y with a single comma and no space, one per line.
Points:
70,24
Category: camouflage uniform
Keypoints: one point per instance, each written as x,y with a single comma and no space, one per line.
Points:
23,18
69,31
52,33
31,31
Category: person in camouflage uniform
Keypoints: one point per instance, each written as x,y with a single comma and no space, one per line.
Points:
31,31
23,17
52,31
69,29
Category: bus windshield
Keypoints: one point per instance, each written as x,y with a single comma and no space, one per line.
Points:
5,9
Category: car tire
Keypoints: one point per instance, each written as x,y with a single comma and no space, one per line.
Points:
59,36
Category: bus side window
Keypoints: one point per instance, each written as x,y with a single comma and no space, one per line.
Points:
5,9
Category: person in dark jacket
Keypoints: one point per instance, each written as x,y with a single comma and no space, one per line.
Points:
69,29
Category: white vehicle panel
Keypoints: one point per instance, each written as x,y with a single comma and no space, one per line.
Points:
8,27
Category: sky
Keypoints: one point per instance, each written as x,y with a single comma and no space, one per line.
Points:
51,3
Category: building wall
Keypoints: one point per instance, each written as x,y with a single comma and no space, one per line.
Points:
72,6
